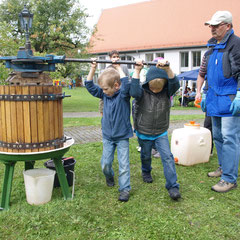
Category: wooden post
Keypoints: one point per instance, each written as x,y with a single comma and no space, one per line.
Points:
3,126
46,117
13,111
40,121
33,118
26,117
20,120
8,117
51,116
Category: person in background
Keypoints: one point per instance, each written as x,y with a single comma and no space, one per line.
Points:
114,57
70,84
151,120
190,96
185,94
74,83
221,98
113,89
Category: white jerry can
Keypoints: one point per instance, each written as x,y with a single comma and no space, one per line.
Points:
191,145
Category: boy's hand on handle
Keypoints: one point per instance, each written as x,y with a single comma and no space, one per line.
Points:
94,63
138,68
165,65
92,69
139,65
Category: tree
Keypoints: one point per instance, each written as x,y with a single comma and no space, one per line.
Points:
8,47
59,27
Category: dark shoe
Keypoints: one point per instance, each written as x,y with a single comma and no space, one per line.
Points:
147,177
223,186
174,193
110,182
216,173
124,196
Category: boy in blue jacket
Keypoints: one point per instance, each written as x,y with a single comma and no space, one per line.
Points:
151,120
116,126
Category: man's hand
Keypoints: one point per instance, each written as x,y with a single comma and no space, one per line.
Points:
235,106
198,96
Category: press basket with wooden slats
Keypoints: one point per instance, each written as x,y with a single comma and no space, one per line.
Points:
31,117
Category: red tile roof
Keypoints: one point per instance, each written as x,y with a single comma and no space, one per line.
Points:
159,24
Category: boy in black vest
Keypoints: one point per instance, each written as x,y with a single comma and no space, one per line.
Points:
151,120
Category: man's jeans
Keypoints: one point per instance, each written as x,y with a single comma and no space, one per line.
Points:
123,161
162,146
226,136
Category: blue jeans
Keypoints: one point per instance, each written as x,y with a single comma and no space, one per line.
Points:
123,161
162,146
226,136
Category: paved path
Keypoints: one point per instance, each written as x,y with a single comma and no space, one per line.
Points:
97,114
88,134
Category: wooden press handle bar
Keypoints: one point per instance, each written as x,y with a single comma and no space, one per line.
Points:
108,61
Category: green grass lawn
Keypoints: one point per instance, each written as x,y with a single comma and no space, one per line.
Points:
95,212
82,101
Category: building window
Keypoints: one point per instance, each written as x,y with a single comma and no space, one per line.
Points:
102,65
160,55
128,58
196,59
149,57
184,59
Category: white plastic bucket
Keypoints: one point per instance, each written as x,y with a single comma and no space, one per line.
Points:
38,185
191,145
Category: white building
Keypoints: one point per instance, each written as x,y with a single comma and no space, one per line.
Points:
171,29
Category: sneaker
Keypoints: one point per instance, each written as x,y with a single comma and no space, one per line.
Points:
154,151
223,186
147,177
110,182
174,193
124,196
157,155
217,173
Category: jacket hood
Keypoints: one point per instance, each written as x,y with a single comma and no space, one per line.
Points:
154,73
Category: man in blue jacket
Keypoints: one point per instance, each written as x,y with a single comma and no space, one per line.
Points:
221,100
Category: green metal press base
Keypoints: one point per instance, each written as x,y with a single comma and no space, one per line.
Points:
10,159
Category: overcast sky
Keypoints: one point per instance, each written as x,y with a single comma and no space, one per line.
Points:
95,7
